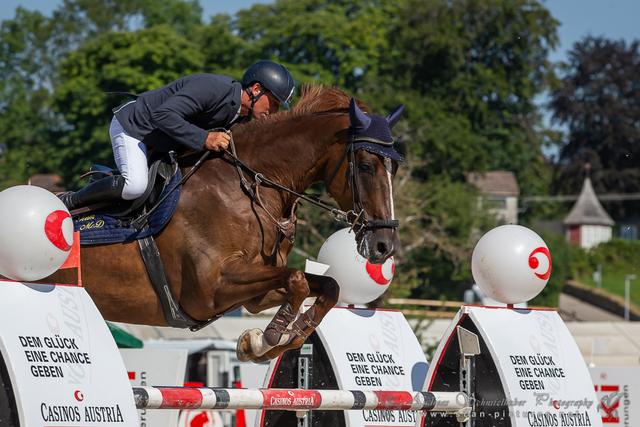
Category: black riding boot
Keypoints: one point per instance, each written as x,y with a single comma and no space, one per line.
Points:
103,190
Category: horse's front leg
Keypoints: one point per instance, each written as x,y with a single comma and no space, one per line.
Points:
244,282
326,291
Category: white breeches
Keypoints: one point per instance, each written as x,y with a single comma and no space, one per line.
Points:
131,158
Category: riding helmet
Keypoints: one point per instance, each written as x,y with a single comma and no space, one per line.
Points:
274,77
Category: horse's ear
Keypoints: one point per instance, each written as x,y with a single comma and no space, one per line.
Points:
357,118
394,116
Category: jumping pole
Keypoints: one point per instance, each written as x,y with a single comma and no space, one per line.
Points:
297,399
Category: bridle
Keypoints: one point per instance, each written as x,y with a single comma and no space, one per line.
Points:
356,217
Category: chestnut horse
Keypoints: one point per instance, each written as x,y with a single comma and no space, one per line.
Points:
219,250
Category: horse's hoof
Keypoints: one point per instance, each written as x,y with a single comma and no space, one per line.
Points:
251,346
243,348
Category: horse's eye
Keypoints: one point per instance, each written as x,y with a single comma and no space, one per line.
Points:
365,167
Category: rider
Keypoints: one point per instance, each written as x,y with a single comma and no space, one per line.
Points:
176,117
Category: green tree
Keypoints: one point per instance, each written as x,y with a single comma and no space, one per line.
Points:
440,220
468,71
475,66
598,100
334,41
221,47
27,124
79,20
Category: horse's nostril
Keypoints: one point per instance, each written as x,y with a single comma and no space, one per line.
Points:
381,247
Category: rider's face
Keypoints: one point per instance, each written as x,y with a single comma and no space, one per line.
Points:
267,104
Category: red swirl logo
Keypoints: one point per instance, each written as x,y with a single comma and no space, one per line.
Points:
534,262
53,229
377,275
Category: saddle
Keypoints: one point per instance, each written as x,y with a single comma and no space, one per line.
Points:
161,170
129,220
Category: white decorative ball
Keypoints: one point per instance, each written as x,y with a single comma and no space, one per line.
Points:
360,281
511,264
36,233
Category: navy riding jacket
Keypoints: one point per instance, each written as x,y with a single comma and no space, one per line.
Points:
180,113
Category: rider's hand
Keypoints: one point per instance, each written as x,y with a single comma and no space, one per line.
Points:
217,141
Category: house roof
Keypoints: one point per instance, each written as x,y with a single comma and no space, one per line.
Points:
502,183
587,209
49,182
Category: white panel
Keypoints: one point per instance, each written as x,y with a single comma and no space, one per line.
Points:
542,368
63,362
373,350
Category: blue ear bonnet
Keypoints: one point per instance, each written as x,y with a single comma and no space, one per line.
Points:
372,132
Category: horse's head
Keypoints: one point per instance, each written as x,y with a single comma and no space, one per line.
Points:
360,179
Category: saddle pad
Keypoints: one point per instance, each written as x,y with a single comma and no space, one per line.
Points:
102,229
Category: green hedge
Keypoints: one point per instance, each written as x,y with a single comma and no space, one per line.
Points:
617,258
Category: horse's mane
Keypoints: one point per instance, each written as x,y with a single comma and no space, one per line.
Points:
317,98
313,99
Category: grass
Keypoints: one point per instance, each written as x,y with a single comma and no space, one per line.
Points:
613,281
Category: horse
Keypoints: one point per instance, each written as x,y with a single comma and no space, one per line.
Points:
222,249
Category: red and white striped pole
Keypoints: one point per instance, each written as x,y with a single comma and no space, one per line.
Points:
297,399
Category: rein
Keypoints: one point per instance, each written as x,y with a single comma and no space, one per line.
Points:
260,179
355,217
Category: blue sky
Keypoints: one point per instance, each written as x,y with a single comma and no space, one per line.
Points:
617,19
211,7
